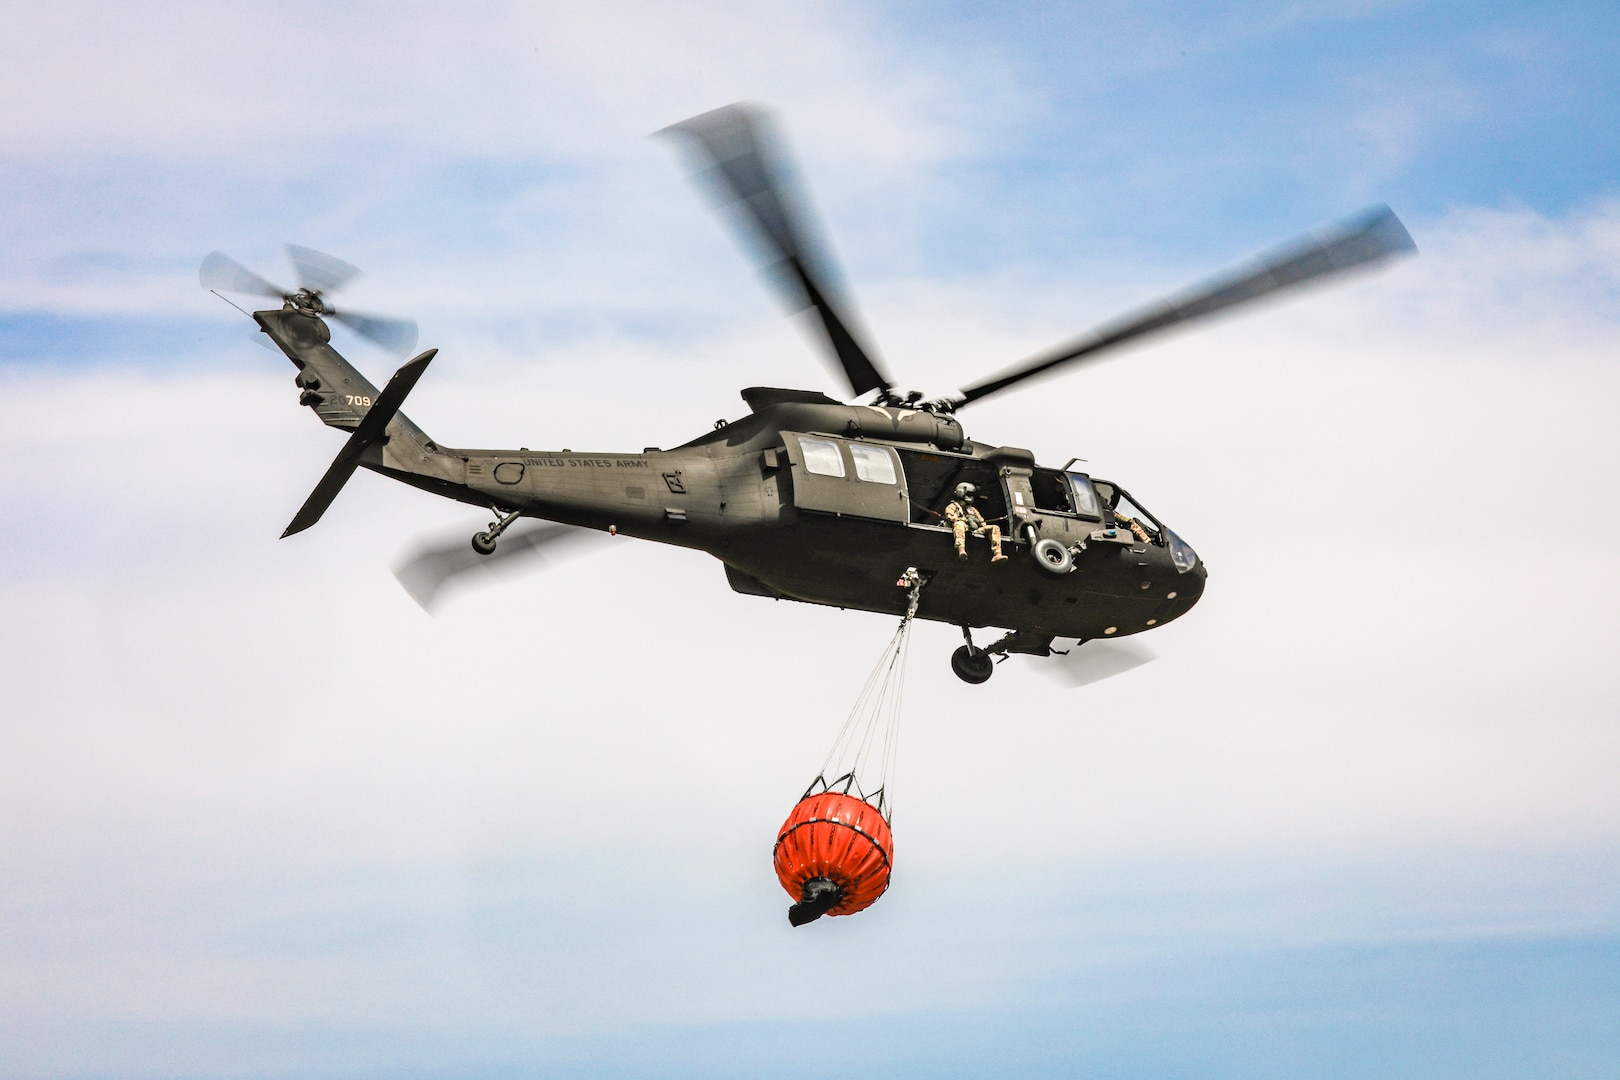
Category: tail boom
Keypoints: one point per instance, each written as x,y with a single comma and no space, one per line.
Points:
381,438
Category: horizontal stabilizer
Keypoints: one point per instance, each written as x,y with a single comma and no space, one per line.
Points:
372,426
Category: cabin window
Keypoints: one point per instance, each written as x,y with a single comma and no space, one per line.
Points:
821,456
1085,496
872,463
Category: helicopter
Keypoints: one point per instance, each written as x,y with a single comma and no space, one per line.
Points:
810,498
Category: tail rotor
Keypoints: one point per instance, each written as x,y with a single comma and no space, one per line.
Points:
319,275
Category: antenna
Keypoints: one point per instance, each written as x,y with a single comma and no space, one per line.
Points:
229,301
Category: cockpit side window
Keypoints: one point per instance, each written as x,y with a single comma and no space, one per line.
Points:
1085,496
1051,493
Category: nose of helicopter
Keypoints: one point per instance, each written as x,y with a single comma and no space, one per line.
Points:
1181,593
1176,592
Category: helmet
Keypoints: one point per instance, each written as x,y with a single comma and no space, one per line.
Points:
965,491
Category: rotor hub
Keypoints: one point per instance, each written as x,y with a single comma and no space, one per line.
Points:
308,302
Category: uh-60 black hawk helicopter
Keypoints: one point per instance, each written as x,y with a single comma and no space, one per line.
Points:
809,498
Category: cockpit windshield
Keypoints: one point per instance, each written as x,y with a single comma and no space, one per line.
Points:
1142,524
1102,499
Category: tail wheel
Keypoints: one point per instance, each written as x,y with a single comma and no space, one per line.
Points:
972,665
483,543
1050,555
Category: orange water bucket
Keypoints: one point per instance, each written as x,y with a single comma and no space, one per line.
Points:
833,856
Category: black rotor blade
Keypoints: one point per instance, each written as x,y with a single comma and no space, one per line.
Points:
319,272
1371,238
431,568
398,336
222,273
737,142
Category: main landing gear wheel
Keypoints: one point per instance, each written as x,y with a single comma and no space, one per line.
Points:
972,665
1051,556
484,542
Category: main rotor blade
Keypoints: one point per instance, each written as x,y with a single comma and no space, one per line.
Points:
431,568
222,273
1371,238
398,336
319,272
736,141
1093,661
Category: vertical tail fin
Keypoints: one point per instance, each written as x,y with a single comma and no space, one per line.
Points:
372,426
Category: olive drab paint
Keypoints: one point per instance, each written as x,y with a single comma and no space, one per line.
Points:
807,498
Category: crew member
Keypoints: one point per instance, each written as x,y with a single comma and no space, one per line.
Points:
965,518
1138,530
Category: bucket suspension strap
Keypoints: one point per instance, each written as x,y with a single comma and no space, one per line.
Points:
912,581
869,739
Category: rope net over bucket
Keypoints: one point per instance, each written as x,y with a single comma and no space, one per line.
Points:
835,851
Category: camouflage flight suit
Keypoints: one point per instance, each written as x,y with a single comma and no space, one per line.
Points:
965,520
1137,530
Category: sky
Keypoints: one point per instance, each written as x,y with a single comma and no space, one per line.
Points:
261,816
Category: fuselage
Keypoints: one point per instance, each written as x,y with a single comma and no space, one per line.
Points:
810,499
748,493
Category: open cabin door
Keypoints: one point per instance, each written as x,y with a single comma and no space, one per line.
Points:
848,477
1015,482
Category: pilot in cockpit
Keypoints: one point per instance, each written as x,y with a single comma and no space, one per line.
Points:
1138,530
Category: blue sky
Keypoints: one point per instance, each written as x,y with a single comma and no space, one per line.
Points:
1036,140
260,816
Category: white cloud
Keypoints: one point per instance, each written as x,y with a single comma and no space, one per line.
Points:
194,79
248,786
257,812
144,137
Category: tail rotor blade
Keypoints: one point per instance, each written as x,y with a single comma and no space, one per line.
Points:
1375,236
222,273
398,336
319,272
735,143
431,570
